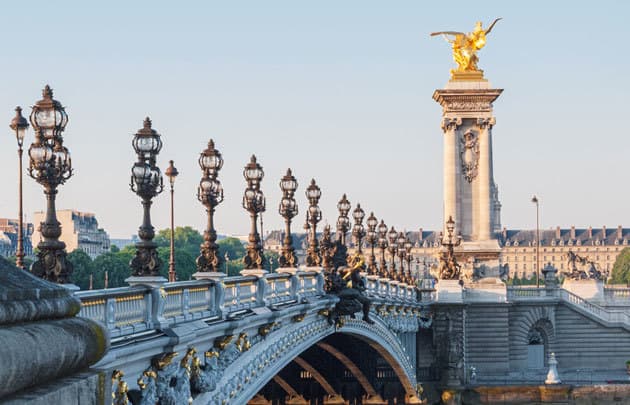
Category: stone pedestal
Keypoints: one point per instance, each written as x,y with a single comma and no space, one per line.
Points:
151,281
209,275
287,270
254,272
316,269
590,290
490,289
449,292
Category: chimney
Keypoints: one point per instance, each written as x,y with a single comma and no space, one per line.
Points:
558,233
590,232
420,239
504,233
619,232
604,236
572,235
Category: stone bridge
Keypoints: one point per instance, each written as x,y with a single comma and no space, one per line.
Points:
251,329
257,339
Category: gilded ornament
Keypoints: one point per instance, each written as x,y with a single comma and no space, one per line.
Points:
465,47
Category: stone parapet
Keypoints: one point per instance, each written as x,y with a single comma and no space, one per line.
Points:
42,340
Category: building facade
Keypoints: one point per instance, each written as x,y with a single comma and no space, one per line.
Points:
9,236
79,230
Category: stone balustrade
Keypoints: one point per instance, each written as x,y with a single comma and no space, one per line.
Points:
617,294
130,310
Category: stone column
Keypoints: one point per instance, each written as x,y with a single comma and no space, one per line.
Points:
449,126
485,178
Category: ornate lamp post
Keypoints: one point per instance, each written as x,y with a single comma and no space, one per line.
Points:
313,216
401,255
19,125
393,249
535,201
171,172
358,230
327,249
343,224
210,194
409,256
449,268
372,238
146,182
254,203
382,244
288,210
50,165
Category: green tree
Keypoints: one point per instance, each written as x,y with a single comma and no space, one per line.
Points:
117,267
233,247
515,280
621,268
271,260
114,249
186,239
185,265
236,251
27,261
82,268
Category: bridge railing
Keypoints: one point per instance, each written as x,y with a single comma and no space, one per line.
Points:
617,294
392,289
617,317
129,310
123,310
516,293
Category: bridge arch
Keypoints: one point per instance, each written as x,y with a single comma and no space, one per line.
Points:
254,368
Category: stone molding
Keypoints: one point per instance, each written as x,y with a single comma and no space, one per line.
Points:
466,100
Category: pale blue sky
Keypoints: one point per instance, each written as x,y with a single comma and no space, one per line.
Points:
338,91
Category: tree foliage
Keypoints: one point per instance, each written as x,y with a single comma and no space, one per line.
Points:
621,268
186,239
186,242
82,268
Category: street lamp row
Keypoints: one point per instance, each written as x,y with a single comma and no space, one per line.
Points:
51,166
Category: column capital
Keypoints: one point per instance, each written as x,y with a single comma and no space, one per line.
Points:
450,123
486,123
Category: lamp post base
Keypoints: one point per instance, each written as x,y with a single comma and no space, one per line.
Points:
209,275
254,272
151,281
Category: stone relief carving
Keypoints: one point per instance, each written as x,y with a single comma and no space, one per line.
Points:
470,155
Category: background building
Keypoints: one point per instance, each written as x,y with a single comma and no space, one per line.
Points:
8,237
79,230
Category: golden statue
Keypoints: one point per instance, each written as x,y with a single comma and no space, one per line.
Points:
465,46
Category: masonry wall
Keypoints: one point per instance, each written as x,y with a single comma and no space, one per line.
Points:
487,337
584,343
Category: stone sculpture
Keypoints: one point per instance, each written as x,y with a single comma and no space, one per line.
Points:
581,268
205,378
347,284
